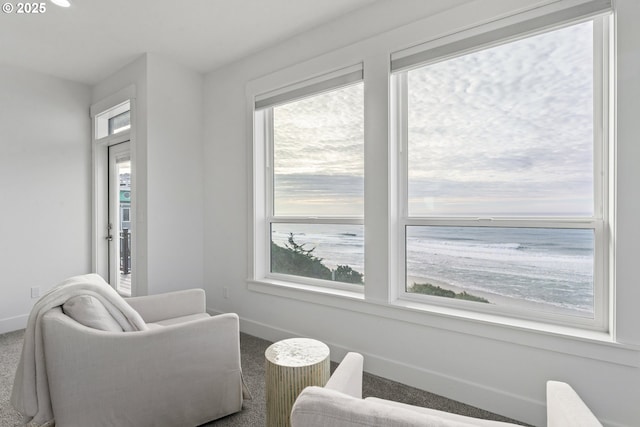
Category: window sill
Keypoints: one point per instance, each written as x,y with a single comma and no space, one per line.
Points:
303,292
560,339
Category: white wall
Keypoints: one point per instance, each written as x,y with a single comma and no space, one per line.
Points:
493,366
168,171
628,156
175,197
45,184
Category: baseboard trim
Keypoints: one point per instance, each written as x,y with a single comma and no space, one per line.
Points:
11,324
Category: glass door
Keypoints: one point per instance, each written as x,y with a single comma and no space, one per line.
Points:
119,228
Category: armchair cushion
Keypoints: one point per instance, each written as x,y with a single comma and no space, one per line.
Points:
451,418
181,319
322,407
89,311
170,305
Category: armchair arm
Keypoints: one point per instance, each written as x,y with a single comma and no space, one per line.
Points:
183,374
347,378
566,409
154,308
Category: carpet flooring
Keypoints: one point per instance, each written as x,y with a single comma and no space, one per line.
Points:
253,411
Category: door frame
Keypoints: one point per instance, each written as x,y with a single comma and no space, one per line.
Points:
100,184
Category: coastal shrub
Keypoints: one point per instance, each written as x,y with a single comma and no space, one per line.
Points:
429,289
295,259
344,273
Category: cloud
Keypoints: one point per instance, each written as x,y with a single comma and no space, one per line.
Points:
307,194
323,134
516,119
319,154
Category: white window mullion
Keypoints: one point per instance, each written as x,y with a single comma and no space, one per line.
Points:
267,130
260,182
399,81
315,220
587,223
600,114
603,149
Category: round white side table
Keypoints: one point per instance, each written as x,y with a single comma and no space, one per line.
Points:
292,365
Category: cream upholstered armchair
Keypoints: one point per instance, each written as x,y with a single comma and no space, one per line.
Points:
339,404
182,370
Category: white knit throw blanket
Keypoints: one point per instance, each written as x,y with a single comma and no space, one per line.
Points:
30,394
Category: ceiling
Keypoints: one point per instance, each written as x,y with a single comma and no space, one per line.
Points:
94,38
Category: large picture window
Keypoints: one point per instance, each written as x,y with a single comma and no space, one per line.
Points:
314,170
505,175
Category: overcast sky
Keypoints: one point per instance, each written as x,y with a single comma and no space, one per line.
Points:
503,131
506,130
319,154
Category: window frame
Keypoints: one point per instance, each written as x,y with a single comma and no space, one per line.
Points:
103,122
600,222
382,211
112,130
263,141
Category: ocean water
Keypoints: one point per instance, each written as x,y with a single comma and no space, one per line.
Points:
548,266
335,244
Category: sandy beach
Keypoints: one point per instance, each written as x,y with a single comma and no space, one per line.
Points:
498,300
